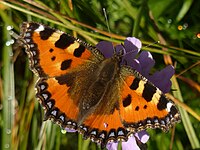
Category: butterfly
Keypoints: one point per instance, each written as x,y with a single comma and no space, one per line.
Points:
81,89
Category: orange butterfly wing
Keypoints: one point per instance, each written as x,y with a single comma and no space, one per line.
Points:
56,57
52,52
143,105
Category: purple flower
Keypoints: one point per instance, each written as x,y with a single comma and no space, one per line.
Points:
131,144
142,64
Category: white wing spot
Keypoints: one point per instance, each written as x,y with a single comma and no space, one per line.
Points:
45,96
27,40
120,133
27,34
54,112
42,87
111,134
62,118
93,132
169,105
49,104
40,28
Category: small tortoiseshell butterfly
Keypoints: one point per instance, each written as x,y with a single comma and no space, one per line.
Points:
81,89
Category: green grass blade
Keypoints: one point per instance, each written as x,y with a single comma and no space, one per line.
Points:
8,92
185,117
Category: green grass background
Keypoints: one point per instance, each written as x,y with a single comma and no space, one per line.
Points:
176,24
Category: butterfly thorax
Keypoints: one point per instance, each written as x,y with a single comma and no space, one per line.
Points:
105,75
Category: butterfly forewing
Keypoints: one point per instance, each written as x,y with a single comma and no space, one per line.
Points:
52,52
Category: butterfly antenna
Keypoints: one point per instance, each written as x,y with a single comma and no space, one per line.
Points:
152,44
106,17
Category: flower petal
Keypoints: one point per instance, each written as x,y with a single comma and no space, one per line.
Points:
112,146
135,64
161,79
130,144
106,48
147,62
143,136
132,44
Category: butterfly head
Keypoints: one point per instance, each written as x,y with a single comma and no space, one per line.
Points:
118,54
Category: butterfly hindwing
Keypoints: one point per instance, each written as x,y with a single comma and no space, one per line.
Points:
57,102
143,105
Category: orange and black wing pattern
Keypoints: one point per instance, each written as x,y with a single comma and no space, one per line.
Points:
131,105
143,105
59,60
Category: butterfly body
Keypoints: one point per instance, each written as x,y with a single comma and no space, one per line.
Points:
99,85
81,89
